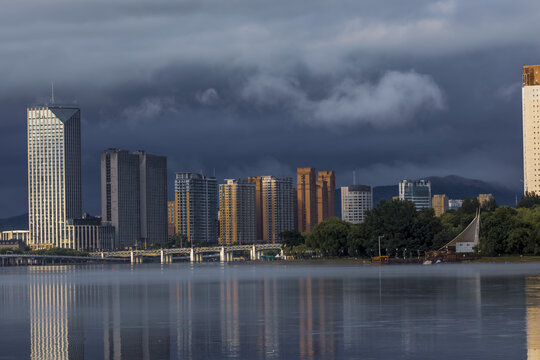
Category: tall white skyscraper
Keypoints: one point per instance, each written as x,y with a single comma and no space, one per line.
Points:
530,95
54,173
355,201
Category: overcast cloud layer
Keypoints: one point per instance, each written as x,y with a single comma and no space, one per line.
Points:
390,89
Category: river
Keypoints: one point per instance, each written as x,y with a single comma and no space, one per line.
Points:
269,311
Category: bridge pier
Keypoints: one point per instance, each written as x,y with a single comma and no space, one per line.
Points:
165,258
222,255
136,259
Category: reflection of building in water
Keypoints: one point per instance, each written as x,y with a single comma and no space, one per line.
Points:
533,317
54,332
136,322
318,307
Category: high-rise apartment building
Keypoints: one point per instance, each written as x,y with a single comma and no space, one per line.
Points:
315,197
355,201
153,197
327,208
439,204
530,95
419,192
306,197
134,196
274,206
54,173
237,212
196,197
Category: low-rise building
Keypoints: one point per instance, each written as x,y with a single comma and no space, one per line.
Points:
21,235
454,204
89,234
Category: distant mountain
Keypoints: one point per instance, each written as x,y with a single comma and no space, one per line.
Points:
455,187
19,222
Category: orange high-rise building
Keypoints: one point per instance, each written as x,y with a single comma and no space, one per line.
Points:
306,196
327,202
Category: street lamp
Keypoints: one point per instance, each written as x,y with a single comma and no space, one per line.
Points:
380,236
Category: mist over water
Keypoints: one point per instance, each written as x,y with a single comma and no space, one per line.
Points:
219,311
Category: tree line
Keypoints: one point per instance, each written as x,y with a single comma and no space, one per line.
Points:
403,230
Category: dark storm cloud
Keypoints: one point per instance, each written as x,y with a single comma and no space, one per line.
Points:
392,89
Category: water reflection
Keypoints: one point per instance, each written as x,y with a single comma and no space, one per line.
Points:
177,313
533,318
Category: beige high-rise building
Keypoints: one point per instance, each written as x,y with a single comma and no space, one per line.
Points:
530,94
274,203
439,204
237,212
306,195
54,174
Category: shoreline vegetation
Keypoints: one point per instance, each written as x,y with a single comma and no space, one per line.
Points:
403,232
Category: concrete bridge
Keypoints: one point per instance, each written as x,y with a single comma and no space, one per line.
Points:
195,253
33,259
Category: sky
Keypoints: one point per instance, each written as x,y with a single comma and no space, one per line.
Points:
390,89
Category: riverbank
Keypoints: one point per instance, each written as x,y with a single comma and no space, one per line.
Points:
506,259
367,261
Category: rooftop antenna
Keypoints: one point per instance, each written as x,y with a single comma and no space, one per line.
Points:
52,92
354,177
214,172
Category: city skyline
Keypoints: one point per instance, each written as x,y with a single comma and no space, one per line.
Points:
457,110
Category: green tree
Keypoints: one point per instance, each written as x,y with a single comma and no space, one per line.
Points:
358,240
330,237
529,200
469,206
489,205
291,238
495,230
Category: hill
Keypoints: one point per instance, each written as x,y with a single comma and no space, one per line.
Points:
455,187
19,222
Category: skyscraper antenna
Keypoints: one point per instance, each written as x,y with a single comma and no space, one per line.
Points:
52,92
354,177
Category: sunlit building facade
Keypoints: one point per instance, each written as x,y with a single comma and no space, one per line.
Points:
237,212
54,173
326,195
439,204
306,197
530,95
